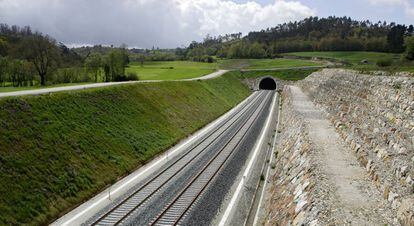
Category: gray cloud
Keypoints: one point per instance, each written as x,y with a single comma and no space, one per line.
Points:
144,23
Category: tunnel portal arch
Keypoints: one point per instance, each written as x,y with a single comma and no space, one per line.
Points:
267,83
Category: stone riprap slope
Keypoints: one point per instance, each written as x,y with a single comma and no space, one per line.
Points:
375,116
293,181
317,181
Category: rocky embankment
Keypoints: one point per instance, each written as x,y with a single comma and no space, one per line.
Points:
345,153
293,182
375,116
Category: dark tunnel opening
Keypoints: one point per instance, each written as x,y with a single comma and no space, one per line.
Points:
267,84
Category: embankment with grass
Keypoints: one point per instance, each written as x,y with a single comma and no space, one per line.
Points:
58,150
287,75
362,61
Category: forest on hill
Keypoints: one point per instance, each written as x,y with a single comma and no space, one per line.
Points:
311,34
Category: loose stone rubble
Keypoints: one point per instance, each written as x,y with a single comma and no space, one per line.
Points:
374,115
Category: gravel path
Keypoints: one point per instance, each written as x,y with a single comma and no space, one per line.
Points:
96,85
350,197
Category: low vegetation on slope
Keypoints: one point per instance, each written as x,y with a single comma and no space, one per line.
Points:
265,63
351,57
60,149
362,60
289,75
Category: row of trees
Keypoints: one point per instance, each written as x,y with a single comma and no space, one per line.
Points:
28,58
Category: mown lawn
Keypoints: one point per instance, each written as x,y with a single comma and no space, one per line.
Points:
171,70
264,63
60,149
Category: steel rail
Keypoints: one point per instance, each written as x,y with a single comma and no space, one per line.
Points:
154,222
237,115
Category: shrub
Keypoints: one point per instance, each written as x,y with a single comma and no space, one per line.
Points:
71,75
262,177
130,76
384,62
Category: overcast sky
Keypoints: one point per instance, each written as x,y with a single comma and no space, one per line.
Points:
172,23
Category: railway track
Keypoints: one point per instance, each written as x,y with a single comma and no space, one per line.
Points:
127,206
179,206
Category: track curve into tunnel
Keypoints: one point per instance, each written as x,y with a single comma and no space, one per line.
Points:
267,84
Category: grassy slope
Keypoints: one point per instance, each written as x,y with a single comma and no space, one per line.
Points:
170,70
350,56
60,149
289,75
280,63
264,63
354,60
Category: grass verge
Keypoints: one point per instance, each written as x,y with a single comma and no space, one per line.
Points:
4,89
60,149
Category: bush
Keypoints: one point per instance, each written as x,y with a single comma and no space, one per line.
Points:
130,76
409,52
71,75
384,62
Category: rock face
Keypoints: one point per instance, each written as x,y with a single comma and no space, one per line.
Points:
317,180
375,116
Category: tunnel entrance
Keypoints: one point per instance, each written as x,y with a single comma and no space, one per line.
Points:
267,84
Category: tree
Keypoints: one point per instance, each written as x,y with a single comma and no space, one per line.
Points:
256,51
114,65
3,47
93,64
410,30
4,64
395,38
42,52
409,51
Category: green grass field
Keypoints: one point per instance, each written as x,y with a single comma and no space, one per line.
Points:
264,63
350,57
58,150
354,60
171,70
288,75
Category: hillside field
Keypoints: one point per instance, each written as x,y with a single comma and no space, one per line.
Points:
60,149
170,70
265,63
288,75
349,56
